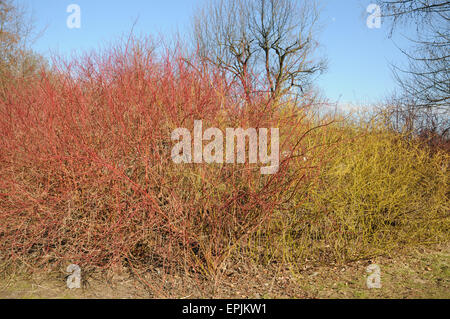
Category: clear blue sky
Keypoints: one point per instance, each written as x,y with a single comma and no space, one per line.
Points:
358,57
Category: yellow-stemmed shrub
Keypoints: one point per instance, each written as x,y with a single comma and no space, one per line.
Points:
377,193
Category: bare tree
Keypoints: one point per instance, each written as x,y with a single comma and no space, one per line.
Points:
262,43
425,82
16,32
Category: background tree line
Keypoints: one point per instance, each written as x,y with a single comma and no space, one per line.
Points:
17,32
270,46
422,105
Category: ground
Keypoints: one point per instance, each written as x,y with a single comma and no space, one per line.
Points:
417,273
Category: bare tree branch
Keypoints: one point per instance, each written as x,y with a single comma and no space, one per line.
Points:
425,83
272,38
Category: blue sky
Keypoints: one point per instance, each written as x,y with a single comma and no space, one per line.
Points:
359,57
